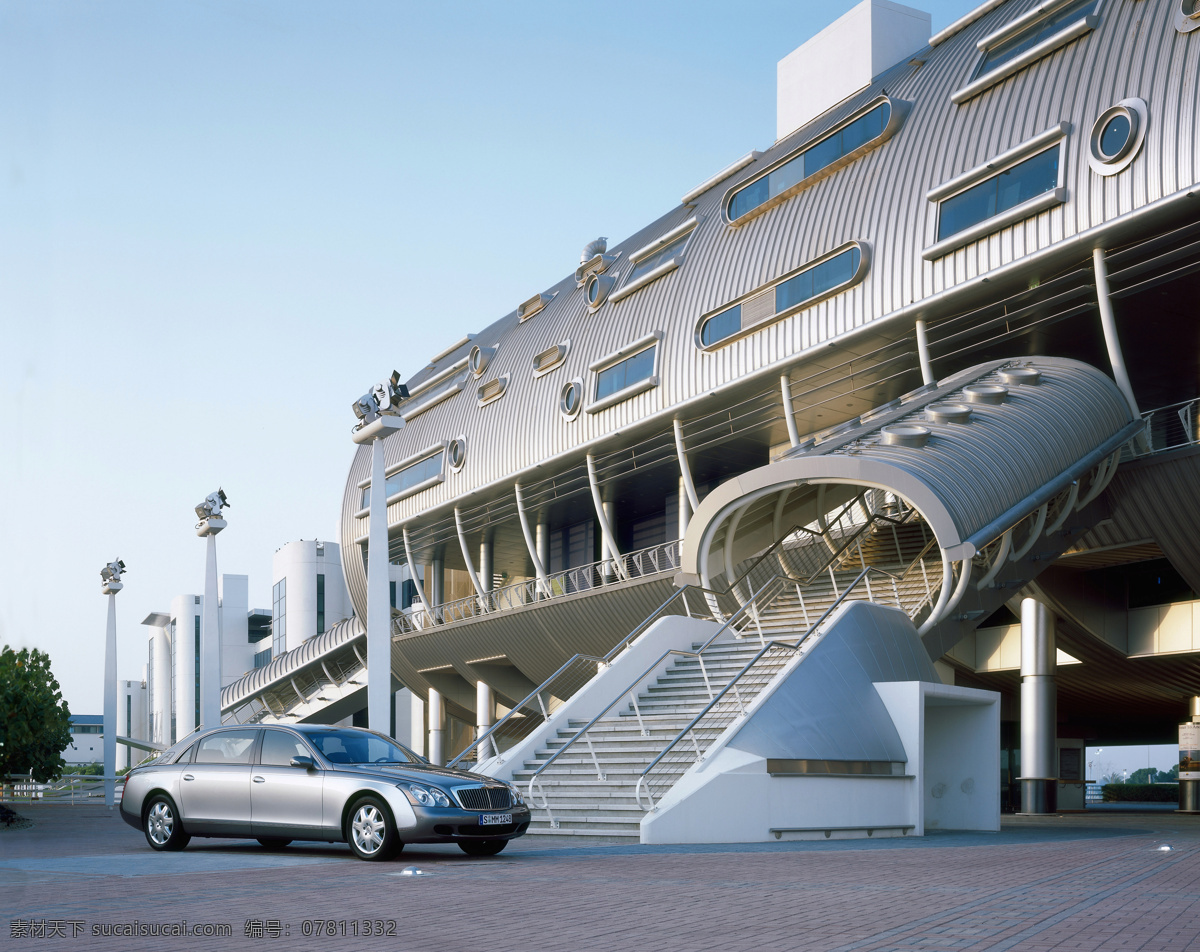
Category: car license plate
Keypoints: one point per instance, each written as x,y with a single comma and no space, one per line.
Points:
494,819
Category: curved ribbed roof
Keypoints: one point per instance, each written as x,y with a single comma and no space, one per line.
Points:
972,478
878,199
287,664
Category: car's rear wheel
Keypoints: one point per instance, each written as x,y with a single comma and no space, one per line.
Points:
162,826
482,847
273,842
370,830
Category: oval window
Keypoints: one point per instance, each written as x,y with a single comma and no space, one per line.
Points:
571,399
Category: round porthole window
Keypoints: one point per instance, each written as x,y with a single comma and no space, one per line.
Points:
596,289
479,358
456,453
1187,15
570,400
1117,136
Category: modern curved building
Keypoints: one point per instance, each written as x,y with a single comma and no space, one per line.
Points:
921,373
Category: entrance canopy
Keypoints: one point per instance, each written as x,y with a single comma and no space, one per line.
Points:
973,454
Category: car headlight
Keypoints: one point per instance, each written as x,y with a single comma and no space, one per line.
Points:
427,796
516,794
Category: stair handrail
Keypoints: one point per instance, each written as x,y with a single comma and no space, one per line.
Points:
774,643
681,593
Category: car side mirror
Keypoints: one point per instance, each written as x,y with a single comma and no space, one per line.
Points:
302,760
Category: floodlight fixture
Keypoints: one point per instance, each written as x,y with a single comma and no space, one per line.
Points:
112,571
385,397
212,504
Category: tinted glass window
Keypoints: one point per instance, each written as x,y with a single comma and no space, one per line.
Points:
359,747
1042,30
279,747
999,193
816,157
722,325
410,476
626,373
817,280
227,747
1115,135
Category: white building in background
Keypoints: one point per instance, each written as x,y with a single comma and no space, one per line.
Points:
308,592
132,718
173,668
87,740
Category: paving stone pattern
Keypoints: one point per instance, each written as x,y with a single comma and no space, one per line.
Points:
1093,882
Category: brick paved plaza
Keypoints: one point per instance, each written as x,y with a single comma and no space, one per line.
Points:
1095,881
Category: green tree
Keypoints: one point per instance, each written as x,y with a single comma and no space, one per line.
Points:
35,722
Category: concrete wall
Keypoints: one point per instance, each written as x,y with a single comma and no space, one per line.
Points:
300,563
237,653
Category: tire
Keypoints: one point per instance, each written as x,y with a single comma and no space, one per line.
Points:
162,825
371,831
273,842
482,847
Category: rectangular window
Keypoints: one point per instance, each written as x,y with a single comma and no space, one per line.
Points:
262,658
626,373
320,603
1003,191
411,475
651,261
820,155
279,617
1003,52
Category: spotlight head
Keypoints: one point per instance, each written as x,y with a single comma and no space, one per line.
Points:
211,506
112,571
364,408
389,393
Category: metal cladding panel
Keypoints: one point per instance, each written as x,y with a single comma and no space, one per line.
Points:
878,199
980,469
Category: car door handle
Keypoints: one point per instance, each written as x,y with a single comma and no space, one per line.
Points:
188,776
260,779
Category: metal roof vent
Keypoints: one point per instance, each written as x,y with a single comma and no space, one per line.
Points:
948,413
593,260
479,359
991,393
1021,375
905,434
597,288
533,305
593,248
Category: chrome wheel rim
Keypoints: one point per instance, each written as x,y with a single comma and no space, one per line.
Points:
368,828
160,823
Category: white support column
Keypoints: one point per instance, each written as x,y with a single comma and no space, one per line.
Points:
789,412
487,563
685,508
685,470
416,727
538,568
542,541
416,579
923,354
602,511
210,642
1039,721
1109,324
437,728
437,584
485,713
466,554
379,601
110,699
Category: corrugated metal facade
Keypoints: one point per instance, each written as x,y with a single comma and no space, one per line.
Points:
878,199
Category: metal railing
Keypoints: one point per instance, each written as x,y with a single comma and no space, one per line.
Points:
69,788
649,561
1171,427
799,566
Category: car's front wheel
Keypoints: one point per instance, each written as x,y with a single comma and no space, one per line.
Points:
370,830
162,826
482,847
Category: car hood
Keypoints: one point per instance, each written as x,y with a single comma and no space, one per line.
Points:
418,773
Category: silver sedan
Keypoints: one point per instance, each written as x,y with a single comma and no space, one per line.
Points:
306,782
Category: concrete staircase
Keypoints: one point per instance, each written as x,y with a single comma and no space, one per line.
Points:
580,803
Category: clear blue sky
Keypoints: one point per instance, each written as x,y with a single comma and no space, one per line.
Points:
221,220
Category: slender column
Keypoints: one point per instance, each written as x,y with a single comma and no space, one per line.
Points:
416,727
466,554
685,508
543,542
602,510
789,412
379,601
412,571
685,470
538,568
437,584
923,354
1109,323
1039,776
110,703
210,643
437,728
1189,777
487,567
485,713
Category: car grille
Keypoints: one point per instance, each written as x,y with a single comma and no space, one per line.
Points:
483,798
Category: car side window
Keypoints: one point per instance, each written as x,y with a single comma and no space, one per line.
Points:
279,747
227,747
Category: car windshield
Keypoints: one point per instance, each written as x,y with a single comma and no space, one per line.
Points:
359,747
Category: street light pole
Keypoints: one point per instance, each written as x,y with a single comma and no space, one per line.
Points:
110,584
377,420
211,522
